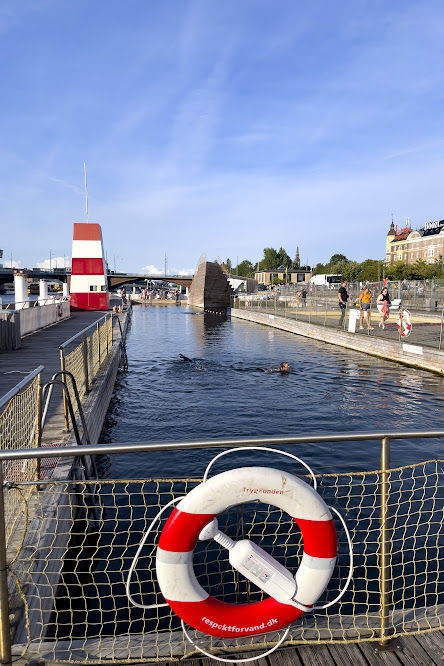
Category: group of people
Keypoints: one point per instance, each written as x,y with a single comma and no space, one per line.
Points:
382,303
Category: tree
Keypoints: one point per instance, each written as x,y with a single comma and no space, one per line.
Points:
319,269
270,261
283,258
337,257
228,265
368,270
245,269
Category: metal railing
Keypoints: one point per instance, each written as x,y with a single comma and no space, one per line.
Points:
427,327
84,353
20,427
53,298
385,508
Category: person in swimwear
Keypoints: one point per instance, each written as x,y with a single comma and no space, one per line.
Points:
284,367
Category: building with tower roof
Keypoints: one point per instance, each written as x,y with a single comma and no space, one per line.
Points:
411,245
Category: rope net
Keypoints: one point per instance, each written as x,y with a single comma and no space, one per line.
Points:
68,595
18,431
89,354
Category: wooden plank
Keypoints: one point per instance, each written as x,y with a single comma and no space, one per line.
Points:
286,657
413,654
433,643
315,655
347,654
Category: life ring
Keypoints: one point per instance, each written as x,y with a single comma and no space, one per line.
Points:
247,303
59,309
174,556
404,323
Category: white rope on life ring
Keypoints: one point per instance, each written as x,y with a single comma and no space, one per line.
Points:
291,598
404,323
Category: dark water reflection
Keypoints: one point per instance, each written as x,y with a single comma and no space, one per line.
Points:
227,391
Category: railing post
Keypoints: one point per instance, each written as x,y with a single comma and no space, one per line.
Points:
85,362
384,546
5,630
98,342
440,331
38,425
65,402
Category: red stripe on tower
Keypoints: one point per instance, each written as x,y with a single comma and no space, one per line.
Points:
89,284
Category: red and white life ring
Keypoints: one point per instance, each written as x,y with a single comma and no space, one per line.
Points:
404,323
59,309
174,558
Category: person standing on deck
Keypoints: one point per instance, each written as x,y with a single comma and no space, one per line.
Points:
364,300
342,298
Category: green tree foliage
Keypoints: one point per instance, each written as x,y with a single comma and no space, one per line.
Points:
245,269
369,271
319,269
283,258
270,260
336,258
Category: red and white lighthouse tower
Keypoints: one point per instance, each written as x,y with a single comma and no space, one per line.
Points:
89,284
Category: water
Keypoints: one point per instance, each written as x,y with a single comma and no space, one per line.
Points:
227,391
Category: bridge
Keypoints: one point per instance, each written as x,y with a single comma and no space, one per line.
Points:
114,279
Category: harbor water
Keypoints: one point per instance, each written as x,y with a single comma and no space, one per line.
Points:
229,390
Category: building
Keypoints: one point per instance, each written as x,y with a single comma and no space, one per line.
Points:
288,275
409,246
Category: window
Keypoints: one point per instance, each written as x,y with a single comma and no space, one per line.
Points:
431,252
417,255
103,287
93,287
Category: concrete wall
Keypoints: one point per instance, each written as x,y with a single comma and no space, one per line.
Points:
402,352
32,319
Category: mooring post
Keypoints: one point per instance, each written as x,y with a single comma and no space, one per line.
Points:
5,630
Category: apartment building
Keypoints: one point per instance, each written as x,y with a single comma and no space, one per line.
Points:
409,246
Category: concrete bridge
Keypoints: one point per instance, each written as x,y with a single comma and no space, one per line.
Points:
114,279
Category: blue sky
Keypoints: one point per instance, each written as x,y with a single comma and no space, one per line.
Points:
218,127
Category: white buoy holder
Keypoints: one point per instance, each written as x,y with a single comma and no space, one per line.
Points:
256,564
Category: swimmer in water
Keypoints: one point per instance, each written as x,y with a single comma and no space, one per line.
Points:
184,358
284,367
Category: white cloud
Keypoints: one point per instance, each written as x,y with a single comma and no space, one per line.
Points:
151,270
7,263
54,262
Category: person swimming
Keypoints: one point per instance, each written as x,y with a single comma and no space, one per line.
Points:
184,358
283,368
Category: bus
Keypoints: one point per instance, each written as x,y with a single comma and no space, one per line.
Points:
326,280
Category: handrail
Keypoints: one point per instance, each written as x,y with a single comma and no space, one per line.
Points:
83,331
17,388
134,447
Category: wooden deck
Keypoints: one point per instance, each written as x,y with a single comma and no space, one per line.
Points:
416,650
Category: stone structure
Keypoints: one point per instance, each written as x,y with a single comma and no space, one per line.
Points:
210,288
